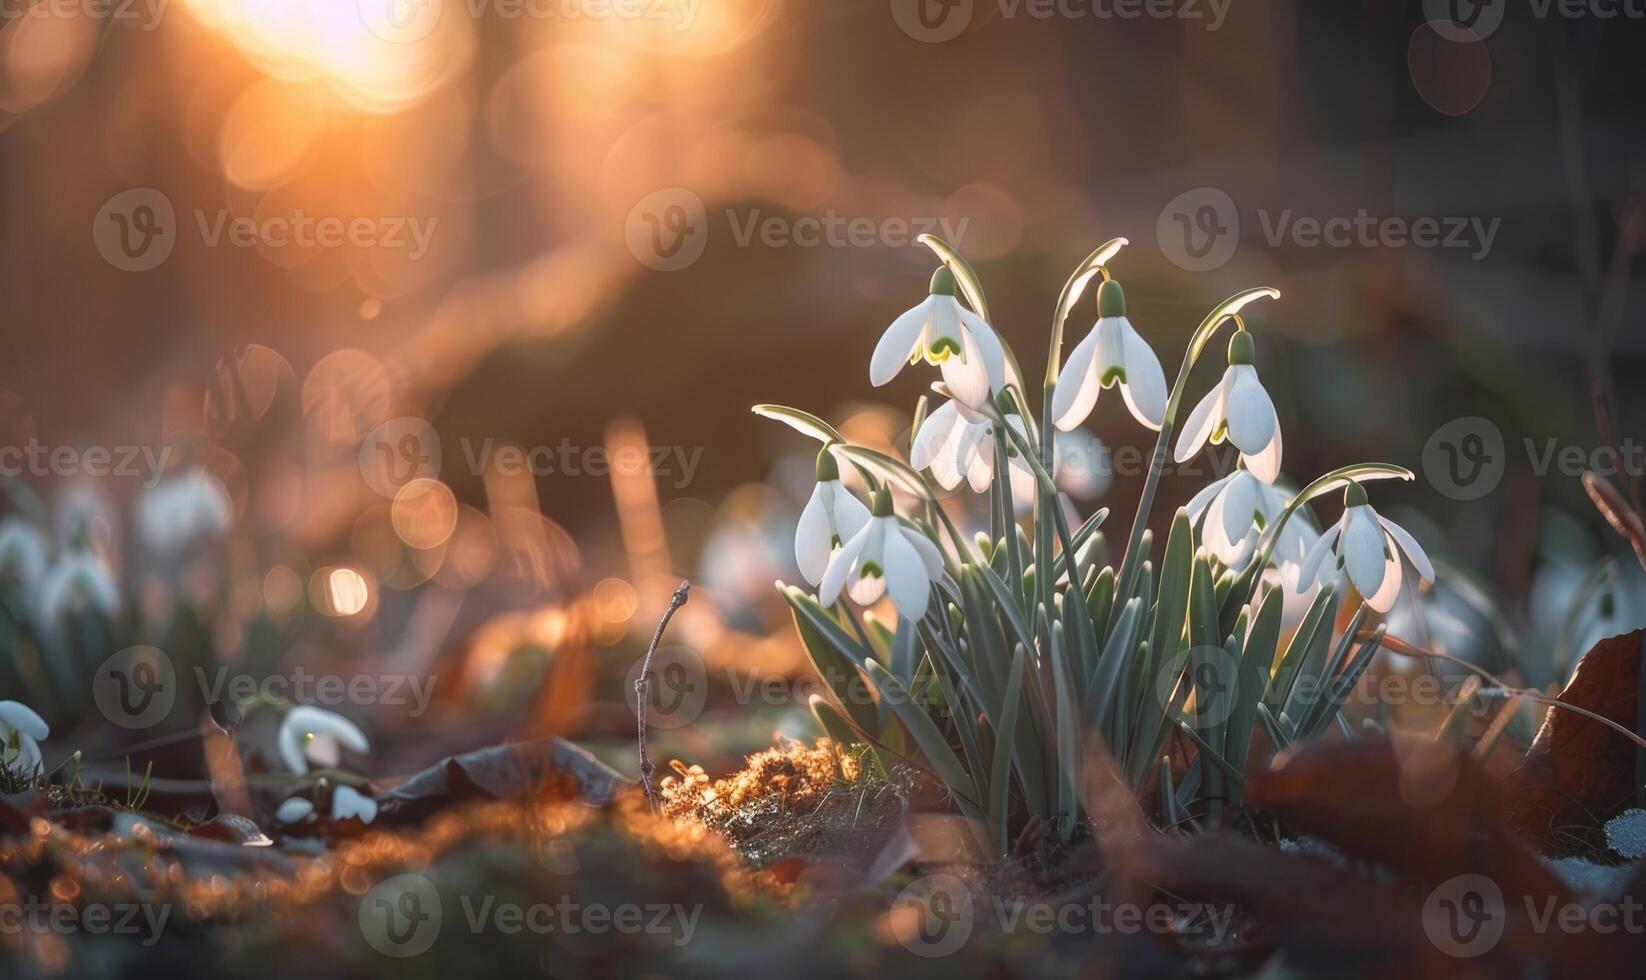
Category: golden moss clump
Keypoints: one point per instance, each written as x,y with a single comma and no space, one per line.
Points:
788,779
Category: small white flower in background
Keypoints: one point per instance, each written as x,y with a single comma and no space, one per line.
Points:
1370,549
884,557
1083,470
21,732
957,443
312,735
1235,510
947,334
1240,410
22,554
1626,833
832,517
182,509
1113,353
78,582
84,517
346,802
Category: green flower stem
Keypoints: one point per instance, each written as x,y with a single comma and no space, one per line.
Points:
1132,565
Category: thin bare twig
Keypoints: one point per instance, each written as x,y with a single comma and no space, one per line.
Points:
642,689
1402,647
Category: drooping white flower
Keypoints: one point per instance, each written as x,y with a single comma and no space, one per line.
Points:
885,556
182,509
79,581
1084,469
1113,353
1238,409
957,443
947,334
313,735
20,725
831,517
1370,549
22,554
346,802
1234,511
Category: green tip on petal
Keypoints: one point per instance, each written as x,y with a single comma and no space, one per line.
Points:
828,468
1113,376
881,504
1241,348
1355,496
942,349
1111,299
871,570
943,282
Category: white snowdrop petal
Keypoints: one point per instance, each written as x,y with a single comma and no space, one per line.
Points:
929,553
1309,574
346,802
1077,387
1198,503
1265,465
906,577
1199,426
1239,506
968,379
1362,550
19,716
1408,544
897,345
1384,598
1251,413
294,810
934,432
813,536
988,347
841,567
1145,387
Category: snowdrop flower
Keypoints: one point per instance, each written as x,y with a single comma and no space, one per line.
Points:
346,802
885,556
312,735
946,334
832,517
19,722
182,509
1369,549
1236,510
1113,353
957,443
1083,469
1240,410
22,554
79,581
